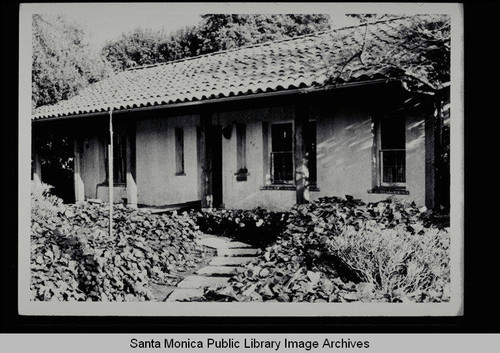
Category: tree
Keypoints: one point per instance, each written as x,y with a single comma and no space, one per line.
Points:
138,47
419,48
62,63
222,32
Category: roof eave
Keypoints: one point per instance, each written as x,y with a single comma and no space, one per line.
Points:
281,93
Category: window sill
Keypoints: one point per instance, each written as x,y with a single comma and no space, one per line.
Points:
287,187
106,184
389,190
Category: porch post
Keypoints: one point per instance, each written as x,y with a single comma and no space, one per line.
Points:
131,172
301,120
78,181
37,162
205,159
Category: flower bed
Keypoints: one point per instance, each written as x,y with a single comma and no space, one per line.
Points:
337,250
74,258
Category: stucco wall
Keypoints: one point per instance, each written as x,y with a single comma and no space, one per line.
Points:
415,158
248,194
157,182
344,153
344,156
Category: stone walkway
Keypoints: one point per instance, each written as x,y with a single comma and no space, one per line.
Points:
231,258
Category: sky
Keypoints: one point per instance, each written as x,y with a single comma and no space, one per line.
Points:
104,22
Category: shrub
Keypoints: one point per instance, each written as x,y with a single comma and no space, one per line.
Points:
41,196
258,227
344,250
401,265
74,258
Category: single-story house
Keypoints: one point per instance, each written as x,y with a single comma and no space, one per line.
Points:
270,125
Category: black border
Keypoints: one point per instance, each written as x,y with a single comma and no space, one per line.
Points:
481,308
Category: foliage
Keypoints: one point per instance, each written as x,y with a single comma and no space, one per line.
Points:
215,32
418,47
41,197
258,227
74,258
63,63
222,32
337,250
138,47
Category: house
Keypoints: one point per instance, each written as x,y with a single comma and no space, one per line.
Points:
267,125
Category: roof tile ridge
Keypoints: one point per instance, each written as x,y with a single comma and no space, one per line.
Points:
220,52
313,34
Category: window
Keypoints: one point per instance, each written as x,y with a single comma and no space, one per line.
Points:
179,151
241,158
241,136
282,153
119,158
392,151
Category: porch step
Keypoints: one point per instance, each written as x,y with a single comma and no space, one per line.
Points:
238,252
231,261
219,270
200,282
222,243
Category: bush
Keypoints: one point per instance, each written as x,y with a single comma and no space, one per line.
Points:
343,250
258,227
74,258
41,197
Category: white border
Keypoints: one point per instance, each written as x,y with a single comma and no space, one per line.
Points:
453,308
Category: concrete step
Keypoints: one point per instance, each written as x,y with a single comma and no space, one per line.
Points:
196,281
238,252
237,245
222,243
219,270
231,261
185,294
214,242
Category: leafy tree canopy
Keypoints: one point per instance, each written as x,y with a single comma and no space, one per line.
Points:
421,49
62,62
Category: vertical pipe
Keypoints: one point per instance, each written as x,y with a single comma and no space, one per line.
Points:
110,171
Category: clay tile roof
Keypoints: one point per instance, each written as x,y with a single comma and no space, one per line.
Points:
308,61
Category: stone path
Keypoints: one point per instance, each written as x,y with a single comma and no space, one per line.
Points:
231,258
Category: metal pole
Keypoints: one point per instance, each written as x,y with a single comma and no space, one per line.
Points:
110,171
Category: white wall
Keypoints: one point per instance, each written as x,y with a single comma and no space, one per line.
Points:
157,184
344,152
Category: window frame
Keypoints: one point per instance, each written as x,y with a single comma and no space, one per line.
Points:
270,153
179,151
380,152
